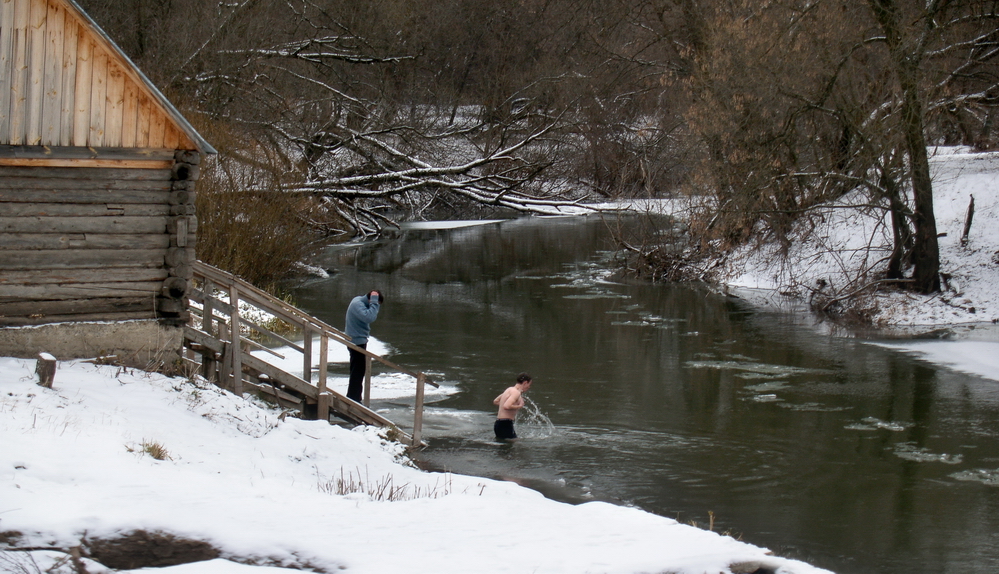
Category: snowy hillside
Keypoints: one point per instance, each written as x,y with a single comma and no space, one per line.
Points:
111,452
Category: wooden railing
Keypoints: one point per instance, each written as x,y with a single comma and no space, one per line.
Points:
217,323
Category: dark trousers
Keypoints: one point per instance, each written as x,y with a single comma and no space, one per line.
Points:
358,368
504,429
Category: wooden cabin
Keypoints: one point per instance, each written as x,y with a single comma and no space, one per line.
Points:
97,188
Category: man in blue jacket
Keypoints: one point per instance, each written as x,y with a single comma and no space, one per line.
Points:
361,312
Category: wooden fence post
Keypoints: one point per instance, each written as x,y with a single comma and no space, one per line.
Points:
418,415
324,397
225,365
208,367
306,353
967,221
237,346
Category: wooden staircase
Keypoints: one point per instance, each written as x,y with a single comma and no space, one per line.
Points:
216,323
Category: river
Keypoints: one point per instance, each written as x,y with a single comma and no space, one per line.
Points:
681,401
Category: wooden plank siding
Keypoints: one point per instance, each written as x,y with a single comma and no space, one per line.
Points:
80,101
63,86
70,56
18,31
51,124
82,241
37,15
108,224
6,62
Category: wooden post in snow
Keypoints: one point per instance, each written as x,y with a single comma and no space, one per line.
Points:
209,369
45,368
418,414
324,397
967,221
236,346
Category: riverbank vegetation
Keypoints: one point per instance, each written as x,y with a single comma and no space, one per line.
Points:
796,105
335,118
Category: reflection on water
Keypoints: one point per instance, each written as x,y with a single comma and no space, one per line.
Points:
674,399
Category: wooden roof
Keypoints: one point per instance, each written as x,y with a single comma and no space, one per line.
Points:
63,82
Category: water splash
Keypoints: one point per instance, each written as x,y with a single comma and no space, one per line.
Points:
532,422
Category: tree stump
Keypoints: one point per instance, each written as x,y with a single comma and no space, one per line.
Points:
45,368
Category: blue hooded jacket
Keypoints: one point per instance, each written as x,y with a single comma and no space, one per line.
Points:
360,314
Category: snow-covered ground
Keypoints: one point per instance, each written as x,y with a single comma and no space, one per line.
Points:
76,462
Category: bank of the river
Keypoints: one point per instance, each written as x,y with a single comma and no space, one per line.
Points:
847,249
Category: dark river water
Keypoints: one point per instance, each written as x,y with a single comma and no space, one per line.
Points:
680,401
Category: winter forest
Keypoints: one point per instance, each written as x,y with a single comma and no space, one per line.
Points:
337,118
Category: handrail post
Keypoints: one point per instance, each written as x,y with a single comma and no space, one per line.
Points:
418,414
306,354
208,366
208,308
367,380
323,400
237,346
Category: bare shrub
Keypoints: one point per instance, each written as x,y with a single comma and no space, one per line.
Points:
383,489
152,448
246,225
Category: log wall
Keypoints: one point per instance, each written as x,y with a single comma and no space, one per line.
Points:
108,240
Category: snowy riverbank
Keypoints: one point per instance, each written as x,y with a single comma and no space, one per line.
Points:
77,463
850,247
956,328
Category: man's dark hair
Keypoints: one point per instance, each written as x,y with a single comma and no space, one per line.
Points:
381,296
523,378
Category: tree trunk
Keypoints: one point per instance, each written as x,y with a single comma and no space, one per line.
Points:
901,232
926,250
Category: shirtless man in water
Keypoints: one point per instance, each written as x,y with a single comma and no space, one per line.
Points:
509,402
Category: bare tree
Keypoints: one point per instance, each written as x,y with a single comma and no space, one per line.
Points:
799,102
336,92
907,53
